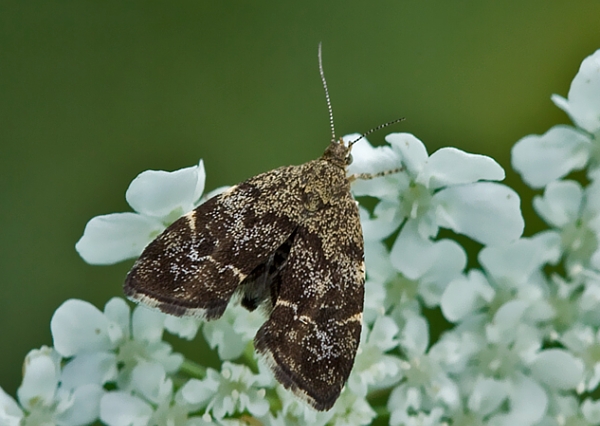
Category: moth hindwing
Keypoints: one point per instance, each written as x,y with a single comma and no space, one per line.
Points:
289,239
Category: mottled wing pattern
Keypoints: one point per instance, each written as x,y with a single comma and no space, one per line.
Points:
195,266
312,335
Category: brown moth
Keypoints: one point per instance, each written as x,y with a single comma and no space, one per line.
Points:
288,240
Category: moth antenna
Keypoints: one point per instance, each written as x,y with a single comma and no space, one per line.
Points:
374,129
333,138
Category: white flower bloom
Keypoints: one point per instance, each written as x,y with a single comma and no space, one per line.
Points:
574,213
233,390
295,411
47,400
422,371
379,271
148,400
350,410
543,159
158,198
432,264
100,341
441,190
584,341
511,270
232,332
373,368
406,408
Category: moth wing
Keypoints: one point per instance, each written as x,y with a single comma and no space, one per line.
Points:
195,266
311,337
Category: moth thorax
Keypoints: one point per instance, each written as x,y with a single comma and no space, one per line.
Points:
337,153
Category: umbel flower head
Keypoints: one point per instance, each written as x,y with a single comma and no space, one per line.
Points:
521,342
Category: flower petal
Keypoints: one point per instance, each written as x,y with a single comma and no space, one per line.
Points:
561,202
159,194
79,327
118,312
528,401
406,254
95,367
40,378
514,262
411,150
10,412
184,327
369,159
541,159
451,166
149,379
465,295
486,396
485,211
115,237
123,409
583,105
414,337
147,324
385,222
558,368
84,408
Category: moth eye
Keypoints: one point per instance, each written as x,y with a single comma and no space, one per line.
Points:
349,159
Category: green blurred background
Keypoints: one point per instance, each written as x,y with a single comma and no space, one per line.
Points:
92,93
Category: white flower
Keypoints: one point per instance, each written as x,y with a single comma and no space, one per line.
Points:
148,400
350,410
110,338
574,213
232,332
441,190
233,390
431,264
158,198
49,401
422,371
584,342
373,368
543,159
511,270
406,408
295,411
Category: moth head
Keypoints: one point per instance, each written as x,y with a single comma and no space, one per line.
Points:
338,153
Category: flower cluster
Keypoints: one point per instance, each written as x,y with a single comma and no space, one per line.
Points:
521,343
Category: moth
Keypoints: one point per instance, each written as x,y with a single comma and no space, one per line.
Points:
288,241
